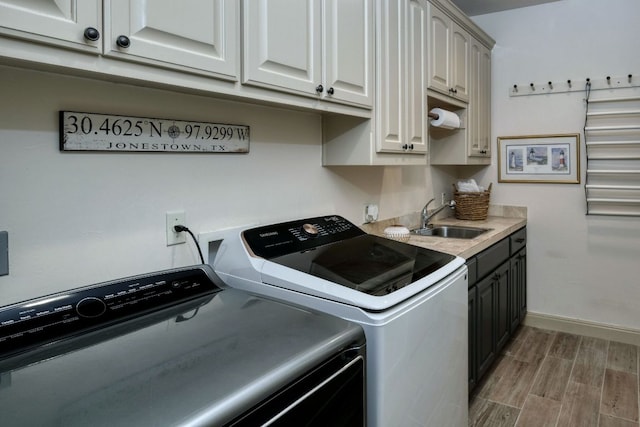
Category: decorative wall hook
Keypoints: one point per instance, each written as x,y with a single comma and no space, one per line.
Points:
608,80
629,76
515,87
532,86
569,82
550,85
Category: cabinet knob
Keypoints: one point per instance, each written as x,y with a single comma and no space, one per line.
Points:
455,90
405,147
483,151
330,91
319,88
410,146
91,34
123,41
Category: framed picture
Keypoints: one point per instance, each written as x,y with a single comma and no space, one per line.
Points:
547,159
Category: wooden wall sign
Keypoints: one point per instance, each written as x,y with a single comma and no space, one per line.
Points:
113,133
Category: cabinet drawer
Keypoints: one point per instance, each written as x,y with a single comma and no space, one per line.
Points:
518,240
473,272
492,257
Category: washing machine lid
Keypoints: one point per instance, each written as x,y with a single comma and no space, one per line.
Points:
369,264
353,267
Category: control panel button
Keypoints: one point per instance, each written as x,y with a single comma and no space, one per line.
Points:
310,230
91,307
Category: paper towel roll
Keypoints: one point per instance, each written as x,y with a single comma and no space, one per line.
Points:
446,119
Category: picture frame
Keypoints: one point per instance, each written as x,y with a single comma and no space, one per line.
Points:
541,159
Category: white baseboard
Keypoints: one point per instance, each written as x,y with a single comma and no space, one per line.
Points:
583,327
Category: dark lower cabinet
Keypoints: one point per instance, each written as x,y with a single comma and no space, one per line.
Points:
472,339
521,278
501,282
497,301
485,325
514,295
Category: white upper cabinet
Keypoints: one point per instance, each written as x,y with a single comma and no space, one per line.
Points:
58,22
348,50
310,47
266,51
200,36
401,74
459,69
459,81
397,132
448,55
282,45
480,101
470,145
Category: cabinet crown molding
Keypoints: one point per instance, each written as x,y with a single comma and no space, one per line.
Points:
464,21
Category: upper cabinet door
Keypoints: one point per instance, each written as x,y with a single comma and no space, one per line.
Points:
348,46
282,44
416,28
401,103
200,36
58,22
448,56
485,102
391,94
439,50
459,62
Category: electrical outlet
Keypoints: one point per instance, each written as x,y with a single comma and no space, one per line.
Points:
173,219
370,212
443,198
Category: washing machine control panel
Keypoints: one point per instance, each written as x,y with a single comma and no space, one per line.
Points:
47,319
275,240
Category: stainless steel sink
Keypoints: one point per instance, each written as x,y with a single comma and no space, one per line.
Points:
451,231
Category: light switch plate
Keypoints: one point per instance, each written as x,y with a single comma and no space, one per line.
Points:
4,253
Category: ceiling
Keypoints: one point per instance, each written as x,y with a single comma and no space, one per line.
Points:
480,7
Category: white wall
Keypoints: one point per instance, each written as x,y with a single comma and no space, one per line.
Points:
80,218
578,267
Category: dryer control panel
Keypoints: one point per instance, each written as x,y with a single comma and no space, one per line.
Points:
43,320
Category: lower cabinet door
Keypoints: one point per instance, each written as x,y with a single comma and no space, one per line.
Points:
517,290
522,282
485,328
473,379
503,320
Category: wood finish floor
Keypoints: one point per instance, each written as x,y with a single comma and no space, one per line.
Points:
554,379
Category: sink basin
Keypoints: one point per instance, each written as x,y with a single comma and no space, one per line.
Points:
451,231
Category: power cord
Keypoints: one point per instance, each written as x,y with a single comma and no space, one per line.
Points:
180,229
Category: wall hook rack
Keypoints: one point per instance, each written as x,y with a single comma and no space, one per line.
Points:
549,87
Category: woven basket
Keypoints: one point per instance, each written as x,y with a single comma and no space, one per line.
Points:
472,206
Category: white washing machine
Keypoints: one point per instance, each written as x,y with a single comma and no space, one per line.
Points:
410,301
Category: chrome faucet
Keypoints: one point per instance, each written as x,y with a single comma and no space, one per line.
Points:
426,216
